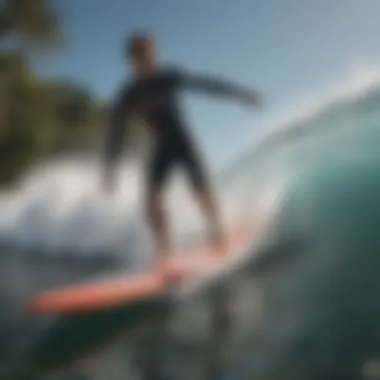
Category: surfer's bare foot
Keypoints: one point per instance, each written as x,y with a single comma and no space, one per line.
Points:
167,272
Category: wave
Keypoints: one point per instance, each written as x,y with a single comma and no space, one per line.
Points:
59,207
294,180
341,105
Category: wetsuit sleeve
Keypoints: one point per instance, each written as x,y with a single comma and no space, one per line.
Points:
117,132
217,86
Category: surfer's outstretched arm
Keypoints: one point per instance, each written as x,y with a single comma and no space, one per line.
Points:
117,133
217,86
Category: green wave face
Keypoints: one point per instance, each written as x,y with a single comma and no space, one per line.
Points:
319,180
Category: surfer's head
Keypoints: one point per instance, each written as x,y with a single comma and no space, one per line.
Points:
140,51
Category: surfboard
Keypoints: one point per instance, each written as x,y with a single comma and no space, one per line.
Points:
190,265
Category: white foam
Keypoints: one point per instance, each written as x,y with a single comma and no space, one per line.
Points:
61,206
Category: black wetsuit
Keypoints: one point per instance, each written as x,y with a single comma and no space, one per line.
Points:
155,99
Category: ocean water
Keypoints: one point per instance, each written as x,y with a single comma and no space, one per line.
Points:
304,307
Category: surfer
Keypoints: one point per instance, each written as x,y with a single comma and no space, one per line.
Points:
152,93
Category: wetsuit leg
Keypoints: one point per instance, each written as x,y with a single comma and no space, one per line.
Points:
159,169
194,168
158,172
204,195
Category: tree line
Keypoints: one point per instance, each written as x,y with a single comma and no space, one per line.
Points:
38,117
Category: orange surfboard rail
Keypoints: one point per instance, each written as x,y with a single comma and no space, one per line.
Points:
123,290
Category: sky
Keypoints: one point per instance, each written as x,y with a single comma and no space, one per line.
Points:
284,48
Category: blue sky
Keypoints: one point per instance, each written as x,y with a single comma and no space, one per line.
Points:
286,48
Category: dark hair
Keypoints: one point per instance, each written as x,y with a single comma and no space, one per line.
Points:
136,42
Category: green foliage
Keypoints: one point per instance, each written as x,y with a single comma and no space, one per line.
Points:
34,24
38,118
